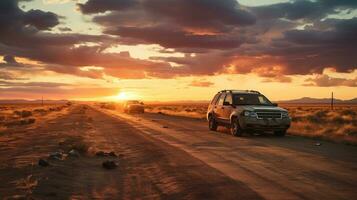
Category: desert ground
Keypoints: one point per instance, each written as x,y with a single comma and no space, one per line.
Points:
159,155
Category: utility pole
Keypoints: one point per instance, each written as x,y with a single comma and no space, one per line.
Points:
332,101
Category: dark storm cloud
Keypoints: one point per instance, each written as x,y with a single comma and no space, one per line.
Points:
98,6
199,13
9,59
169,37
303,9
178,23
12,18
64,29
41,20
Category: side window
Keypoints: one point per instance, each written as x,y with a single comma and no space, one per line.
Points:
229,98
215,98
221,99
263,100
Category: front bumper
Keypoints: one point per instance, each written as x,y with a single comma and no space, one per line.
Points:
250,123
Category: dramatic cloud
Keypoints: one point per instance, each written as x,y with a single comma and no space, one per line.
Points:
273,41
6,76
303,9
32,84
98,6
250,39
327,81
60,93
64,29
9,59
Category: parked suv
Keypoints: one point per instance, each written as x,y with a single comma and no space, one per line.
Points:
133,106
246,111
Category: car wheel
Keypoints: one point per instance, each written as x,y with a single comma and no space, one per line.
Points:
212,124
280,133
235,128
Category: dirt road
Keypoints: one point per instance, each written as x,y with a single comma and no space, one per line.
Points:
166,157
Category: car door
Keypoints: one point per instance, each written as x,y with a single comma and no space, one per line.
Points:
218,109
227,108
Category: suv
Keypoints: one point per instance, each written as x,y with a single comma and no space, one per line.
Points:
133,106
246,111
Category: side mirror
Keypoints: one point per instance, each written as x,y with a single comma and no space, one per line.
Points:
274,104
226,103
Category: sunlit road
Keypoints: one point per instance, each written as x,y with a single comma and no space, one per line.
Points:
275,168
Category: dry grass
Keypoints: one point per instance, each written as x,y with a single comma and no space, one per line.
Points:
12,115
319,121
309,120
186,110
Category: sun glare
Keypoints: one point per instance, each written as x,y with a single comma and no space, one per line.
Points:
125,96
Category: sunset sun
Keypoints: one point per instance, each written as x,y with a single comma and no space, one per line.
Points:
125,96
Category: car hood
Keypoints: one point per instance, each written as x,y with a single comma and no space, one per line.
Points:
263,108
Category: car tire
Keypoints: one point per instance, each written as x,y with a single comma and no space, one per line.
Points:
235,128
280,133
212,124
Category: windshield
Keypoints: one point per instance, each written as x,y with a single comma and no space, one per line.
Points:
250,99
133,102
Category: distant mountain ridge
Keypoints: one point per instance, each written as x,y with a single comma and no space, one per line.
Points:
318,100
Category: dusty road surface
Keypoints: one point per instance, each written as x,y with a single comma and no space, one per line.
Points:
166,157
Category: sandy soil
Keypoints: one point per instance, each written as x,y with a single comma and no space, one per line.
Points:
148,168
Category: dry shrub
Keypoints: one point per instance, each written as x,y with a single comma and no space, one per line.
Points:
76,143
338,125
349,112
20,122
23,113
39,110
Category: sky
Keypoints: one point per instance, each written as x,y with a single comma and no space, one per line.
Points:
170,50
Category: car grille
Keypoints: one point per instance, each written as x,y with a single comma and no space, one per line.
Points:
267,115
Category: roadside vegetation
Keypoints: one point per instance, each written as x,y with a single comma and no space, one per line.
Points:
14,115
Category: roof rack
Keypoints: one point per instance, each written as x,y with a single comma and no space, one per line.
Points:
243,91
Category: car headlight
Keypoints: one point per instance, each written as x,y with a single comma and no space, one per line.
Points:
284,114
249,114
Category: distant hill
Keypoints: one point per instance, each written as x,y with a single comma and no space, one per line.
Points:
317,100
24,101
